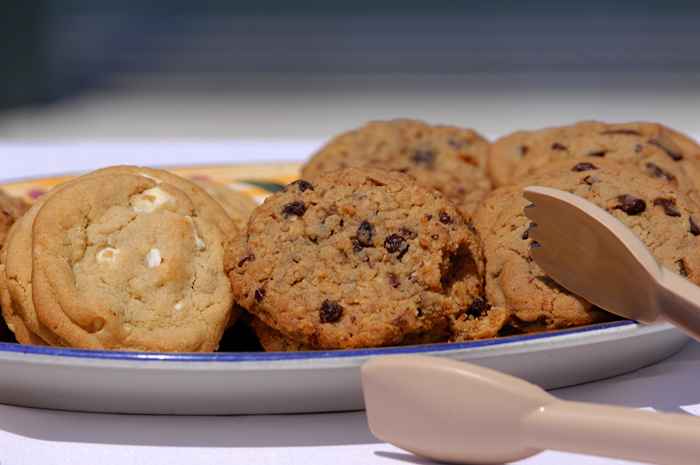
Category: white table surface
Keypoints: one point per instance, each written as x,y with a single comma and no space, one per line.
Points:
31,436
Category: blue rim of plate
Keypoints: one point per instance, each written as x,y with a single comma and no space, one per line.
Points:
233,357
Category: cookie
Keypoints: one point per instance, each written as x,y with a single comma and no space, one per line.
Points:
11,209
357,258
82,274
449,159
274,341
651,147
520,297
238,205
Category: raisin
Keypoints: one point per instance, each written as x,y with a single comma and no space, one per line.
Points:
408,233
624,132
365,232
259,295
694,228
558,146
248,258
669,206
445,218
395,243
393,280
424,157
631,205
682,269
526,233
657,172
303,185
478,308
671,152
457,144
330,311
584,166
419,312
296,208
590,180
597,153
523,150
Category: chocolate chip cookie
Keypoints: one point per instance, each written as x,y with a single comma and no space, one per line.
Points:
449,159
356,258
520,297
652,148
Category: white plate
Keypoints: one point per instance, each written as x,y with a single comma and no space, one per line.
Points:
256,383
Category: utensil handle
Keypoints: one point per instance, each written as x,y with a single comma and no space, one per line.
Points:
616,432
679,303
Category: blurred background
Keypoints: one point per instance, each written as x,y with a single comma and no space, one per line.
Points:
275,69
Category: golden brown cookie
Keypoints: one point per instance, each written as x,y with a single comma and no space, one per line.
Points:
652,148
358,258
664,219
123,261
11,209
238,205
449,159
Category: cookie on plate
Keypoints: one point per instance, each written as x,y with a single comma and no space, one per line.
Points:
653,148
120,259
449,159
358,258
520,297
11,209
238,205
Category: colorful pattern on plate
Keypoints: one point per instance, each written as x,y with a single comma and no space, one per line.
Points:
255,180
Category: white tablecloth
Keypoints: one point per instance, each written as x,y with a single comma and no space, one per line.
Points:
30,436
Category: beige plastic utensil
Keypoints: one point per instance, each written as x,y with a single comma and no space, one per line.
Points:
461,413
594,255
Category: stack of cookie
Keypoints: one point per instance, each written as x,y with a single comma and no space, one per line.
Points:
395,236
123,258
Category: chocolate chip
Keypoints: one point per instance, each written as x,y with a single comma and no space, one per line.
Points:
408,233
656,171
395,243
478,308
584,166
523,150
424,157
694,228
669,206
303,185
296,208
671,152
445,218
393,280
597,153
330,311
631,205
682,269
259,295
526,233
590,180
622,132
365,232
558,146
248,258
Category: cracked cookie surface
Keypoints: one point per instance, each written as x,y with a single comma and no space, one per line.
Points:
520,297
447,158
359,258
655,149
127,261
